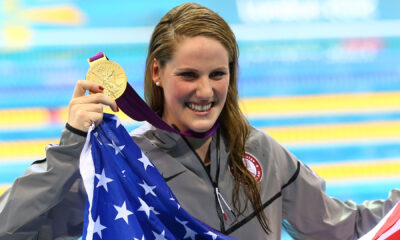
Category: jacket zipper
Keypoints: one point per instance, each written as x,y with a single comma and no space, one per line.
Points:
218,205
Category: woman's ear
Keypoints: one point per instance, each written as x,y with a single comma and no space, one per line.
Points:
156,72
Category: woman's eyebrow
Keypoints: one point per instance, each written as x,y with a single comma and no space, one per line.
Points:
185,69
221,69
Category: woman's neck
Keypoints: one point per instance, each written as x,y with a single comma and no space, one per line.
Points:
202,148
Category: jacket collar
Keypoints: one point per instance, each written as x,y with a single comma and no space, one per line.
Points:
157,142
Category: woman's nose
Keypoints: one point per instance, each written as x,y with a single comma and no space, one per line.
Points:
204,88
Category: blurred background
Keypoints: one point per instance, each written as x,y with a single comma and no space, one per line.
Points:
320,76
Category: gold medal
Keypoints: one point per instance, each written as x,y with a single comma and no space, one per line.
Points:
108,74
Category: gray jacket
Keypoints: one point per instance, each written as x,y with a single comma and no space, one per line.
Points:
48,201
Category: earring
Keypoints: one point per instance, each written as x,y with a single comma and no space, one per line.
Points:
157,84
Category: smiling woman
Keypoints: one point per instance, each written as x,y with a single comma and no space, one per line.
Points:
237,179
195,83
196,50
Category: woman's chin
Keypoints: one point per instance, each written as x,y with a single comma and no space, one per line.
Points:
200,128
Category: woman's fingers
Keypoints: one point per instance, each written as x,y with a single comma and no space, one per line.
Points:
81,116
88,119
88,107
82,86
85,109
96,98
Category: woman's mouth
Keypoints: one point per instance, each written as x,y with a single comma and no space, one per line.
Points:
200,107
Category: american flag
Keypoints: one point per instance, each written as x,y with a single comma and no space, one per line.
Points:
388,228
127,196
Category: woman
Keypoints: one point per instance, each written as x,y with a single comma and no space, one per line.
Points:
191,74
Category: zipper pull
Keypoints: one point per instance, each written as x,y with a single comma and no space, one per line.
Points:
219,197
220,205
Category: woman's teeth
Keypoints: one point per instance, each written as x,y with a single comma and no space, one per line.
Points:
199,108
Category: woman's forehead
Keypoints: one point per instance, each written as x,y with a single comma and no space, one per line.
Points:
199,48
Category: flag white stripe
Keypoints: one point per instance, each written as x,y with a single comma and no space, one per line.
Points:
87,171
373,232
392,230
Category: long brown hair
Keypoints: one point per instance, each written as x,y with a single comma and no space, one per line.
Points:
192,20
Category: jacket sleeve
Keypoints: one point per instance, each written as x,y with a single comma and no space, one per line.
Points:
47,201
312,214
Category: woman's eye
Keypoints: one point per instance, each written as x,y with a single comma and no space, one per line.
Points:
188,75
217,74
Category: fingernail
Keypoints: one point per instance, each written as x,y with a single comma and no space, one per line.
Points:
101,88
117,109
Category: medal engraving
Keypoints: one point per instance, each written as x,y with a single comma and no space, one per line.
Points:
110,75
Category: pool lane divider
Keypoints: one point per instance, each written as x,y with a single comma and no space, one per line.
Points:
344,132
315,134
308,105
358,170
335,172
40,117
349,103
3,188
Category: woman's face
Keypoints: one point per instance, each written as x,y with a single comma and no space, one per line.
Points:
195,83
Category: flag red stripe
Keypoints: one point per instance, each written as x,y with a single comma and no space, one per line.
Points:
393,218
394,236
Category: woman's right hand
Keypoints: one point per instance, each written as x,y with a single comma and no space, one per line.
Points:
85,109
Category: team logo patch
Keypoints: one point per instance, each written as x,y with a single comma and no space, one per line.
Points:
252,165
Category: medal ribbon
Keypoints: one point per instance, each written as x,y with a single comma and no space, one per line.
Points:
133,105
